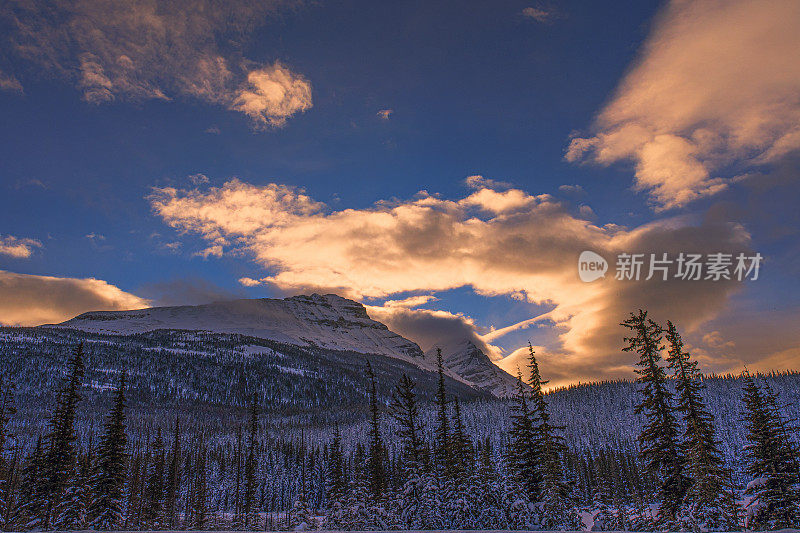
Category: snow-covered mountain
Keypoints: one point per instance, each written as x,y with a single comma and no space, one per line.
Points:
469,362
325,321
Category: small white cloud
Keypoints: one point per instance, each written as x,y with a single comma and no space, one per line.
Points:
539,14
18,248
571,189
213,130
273,94
385,114
9,83
249,282
198,179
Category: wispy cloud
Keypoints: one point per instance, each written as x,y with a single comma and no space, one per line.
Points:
9,83
540,13
27,300
273,94
713,93
385,114
18,248
155,49
497,242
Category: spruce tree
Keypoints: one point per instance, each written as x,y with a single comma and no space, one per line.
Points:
375,456
336,482
772,500
461,446
659,438
61,505
7,410
173,479
521,458
250,467
442,452
200,498
108,481
706,498
30,512
154,490
549,448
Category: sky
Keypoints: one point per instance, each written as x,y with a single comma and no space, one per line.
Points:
445,163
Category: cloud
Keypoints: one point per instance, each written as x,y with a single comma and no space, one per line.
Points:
153,49
496,242
385,114
714,93
273,94
540,14
16,247
9,83
187,291
27,300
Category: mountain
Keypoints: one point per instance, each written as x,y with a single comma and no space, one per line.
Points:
469,362
327,321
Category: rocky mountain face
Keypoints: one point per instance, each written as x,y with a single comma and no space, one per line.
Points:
327,322
469,362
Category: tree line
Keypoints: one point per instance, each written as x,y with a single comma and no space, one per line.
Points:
416,477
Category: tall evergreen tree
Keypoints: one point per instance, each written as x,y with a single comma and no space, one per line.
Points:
461,446
108,481
250,467
336,481
375,457
61,504
30,512
173,479
772,500
154,489
7,410
405,411
442,445
200,499
549,448
659,438
521,457
707,496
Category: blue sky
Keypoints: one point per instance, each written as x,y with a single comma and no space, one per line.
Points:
404,97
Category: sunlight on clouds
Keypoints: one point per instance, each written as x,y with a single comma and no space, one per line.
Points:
273,94
27,300
155,49
16,247
716,84
497,242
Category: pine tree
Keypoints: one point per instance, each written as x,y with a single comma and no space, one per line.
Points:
442,453
33,490
336,481
549,448
173,479
375,457
200,499
7,410
521,457
61,505
154,490
250,467
706,498
659,438
772,496
108,481
461,446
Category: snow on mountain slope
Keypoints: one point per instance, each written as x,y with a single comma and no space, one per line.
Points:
327,321
469,362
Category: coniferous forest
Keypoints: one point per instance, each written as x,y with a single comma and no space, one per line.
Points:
672,450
